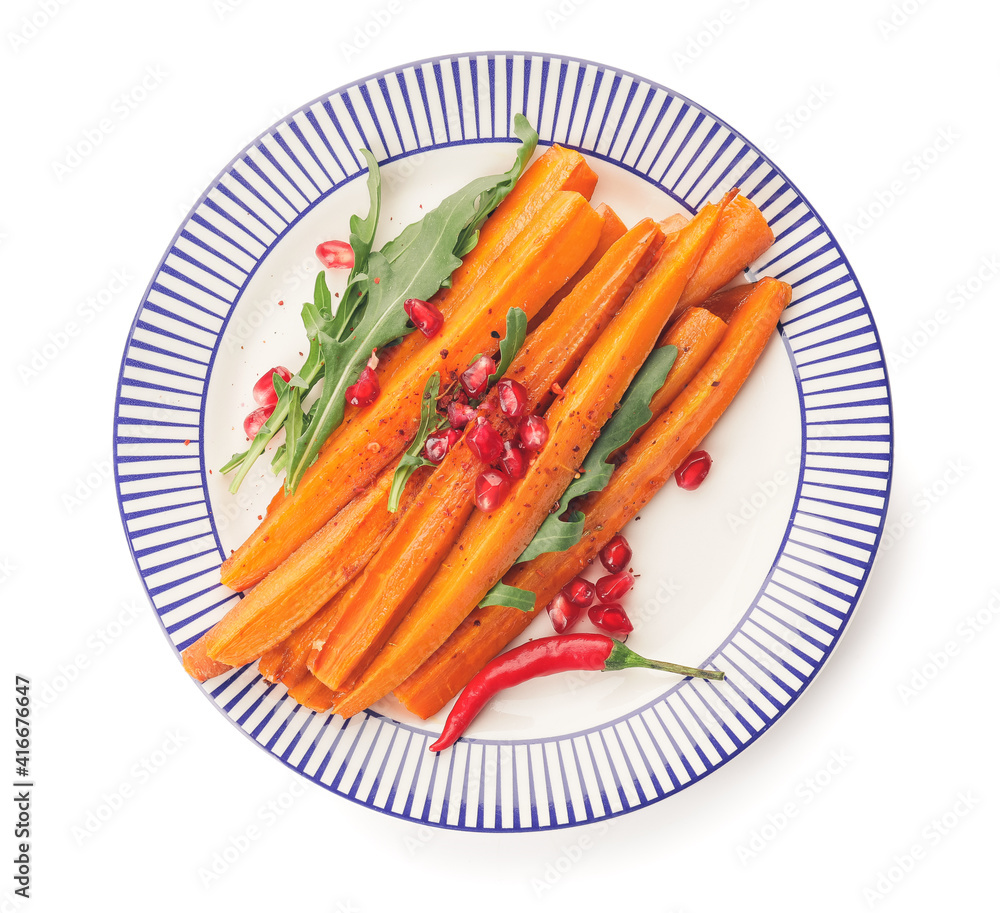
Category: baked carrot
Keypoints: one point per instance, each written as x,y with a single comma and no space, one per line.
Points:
696,333
612,229
536,264
312,694
413,550
490,542
199,665
742,237
300,586
651,460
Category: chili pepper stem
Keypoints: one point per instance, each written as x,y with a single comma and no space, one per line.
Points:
621,657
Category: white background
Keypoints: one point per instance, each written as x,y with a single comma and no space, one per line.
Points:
875,791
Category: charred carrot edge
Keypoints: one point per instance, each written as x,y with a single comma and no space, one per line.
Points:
651,460
556,169
538,262
299,587
490,543
411,553
743,235
613,228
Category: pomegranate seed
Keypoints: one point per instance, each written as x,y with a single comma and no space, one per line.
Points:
424,316
365,391
335,255
513,398
253,422
485,442
616,555
610,618
614,586
513,461
438,444
534,432
263,390
691,473
460,414
579,591
562,613
492,487
476,376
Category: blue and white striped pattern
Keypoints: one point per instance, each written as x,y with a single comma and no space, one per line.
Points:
804,603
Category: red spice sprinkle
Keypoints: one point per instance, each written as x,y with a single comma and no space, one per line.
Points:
186,443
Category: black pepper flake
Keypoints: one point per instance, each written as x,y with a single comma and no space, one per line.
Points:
444,353
494,334
476,623
715,383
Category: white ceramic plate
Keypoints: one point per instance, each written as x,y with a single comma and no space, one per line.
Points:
756,573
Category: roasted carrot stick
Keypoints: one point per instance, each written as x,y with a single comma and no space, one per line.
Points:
696,333
299,587
651,460
742,237
313,694
412,551
538,262
612,229
491,542
199,665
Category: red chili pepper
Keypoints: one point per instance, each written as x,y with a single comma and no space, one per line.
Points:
545,656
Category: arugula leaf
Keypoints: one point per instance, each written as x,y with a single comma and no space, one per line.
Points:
362,237
515,597
494,197
415,267
412,459
517,330
557,534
